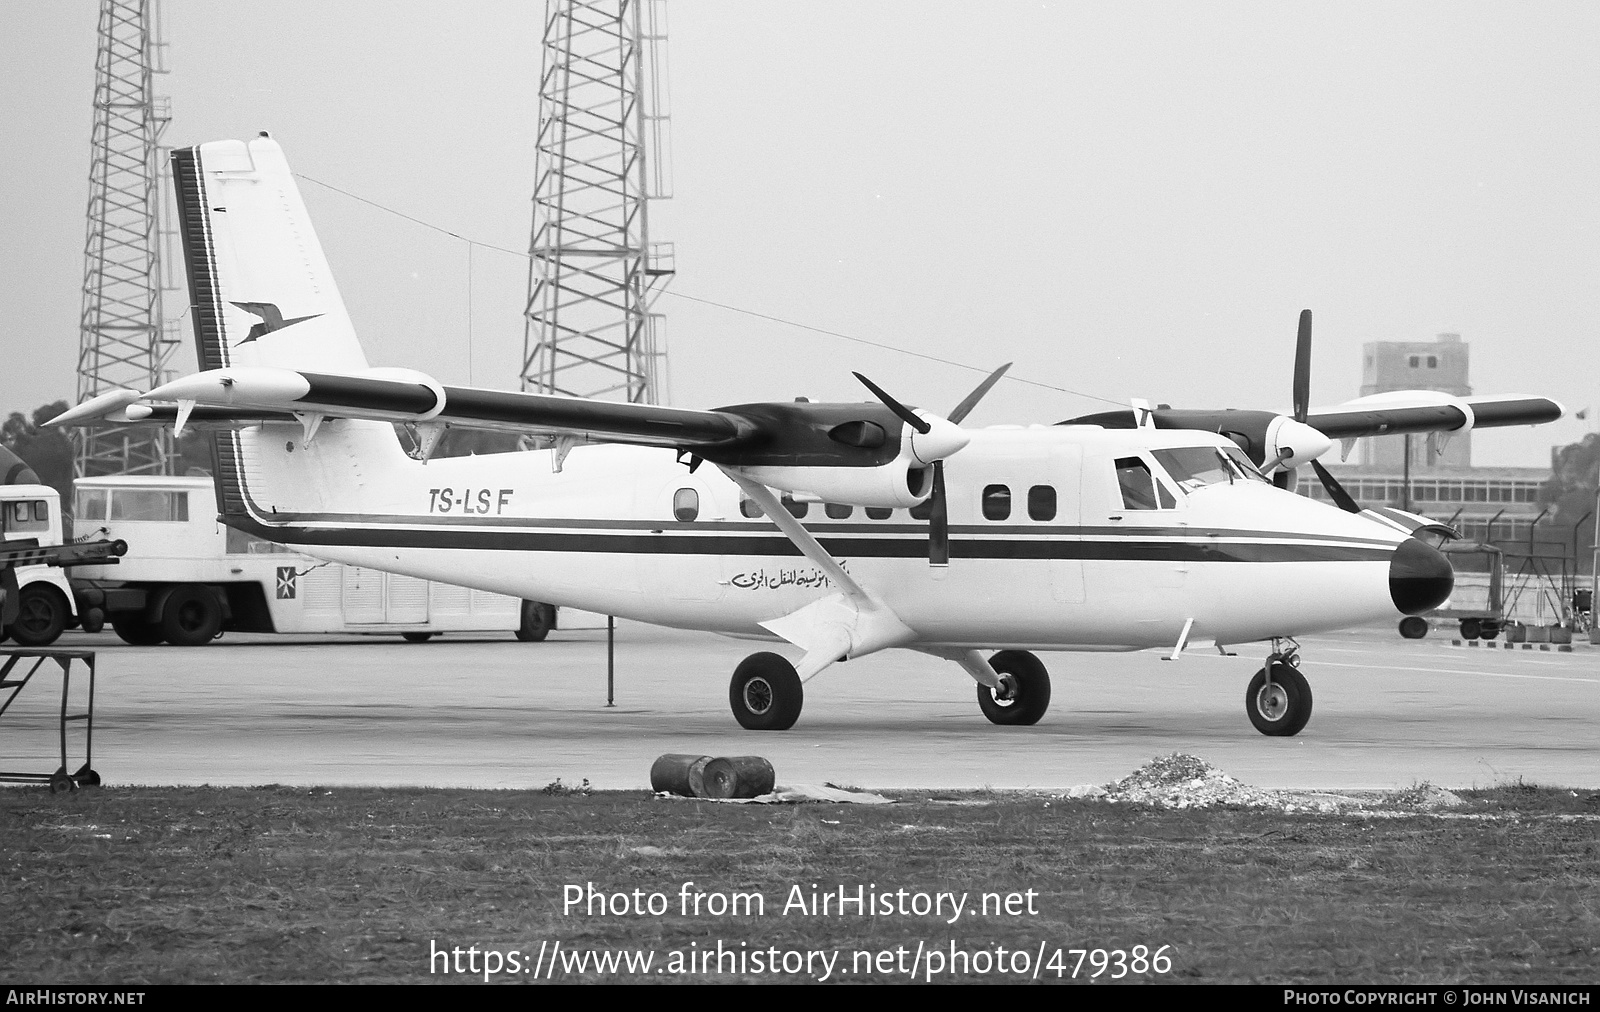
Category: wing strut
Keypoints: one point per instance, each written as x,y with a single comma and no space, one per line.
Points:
850,623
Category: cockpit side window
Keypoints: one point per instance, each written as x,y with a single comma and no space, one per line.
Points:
1140,490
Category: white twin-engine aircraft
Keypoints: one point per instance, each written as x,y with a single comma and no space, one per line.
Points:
842,529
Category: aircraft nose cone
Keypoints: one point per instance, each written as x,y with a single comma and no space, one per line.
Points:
1420,577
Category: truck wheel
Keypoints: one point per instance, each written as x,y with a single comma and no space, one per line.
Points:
537,621
42,614
416,637
192,616
135,631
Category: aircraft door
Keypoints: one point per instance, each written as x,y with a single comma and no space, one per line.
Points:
1141,520
1066,487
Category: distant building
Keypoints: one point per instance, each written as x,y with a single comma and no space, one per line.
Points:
1444,484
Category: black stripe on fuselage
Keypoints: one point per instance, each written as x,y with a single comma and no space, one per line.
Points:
657,542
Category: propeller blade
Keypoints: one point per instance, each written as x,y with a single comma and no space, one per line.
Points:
1344,500
905,413
938,521
1302,368
971,400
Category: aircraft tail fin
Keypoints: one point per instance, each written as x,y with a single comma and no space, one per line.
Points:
260,289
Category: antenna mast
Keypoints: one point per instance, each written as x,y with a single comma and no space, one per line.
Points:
121,338
594,272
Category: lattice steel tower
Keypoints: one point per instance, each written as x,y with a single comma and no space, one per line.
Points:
600,160
121,332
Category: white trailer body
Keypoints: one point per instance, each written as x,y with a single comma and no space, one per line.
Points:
187,577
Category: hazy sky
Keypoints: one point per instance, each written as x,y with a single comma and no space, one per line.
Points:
1129,200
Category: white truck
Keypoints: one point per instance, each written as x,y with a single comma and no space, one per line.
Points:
186,578
36,598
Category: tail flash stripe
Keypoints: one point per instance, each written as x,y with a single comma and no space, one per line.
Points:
199,255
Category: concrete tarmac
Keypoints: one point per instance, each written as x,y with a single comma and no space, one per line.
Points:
487,711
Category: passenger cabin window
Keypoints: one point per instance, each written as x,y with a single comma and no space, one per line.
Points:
1140,490
838,511
27,516
149,504
750,509
997,502
798,510
1042,502
879,512
922,510
685,505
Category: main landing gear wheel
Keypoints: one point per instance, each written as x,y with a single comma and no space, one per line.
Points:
1413,627
1282,707
765,693
1025,695
416,637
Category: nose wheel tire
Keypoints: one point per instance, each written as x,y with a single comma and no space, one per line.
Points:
765,693
1282,707
1025,695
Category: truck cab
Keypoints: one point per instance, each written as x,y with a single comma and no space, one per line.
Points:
45,600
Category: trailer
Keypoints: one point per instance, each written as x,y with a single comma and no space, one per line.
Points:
186,578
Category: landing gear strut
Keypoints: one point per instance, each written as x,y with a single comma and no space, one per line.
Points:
1278,700
765,693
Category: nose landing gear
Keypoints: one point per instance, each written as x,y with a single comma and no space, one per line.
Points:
1278,700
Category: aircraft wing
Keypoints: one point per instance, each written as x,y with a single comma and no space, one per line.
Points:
1429,411
247,394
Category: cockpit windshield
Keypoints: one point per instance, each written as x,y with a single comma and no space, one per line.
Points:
1195,467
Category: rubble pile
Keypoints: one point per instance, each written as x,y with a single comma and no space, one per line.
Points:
1186,781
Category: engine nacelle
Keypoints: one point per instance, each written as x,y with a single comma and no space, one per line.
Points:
895,484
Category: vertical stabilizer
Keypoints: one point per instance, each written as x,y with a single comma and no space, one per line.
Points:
260,288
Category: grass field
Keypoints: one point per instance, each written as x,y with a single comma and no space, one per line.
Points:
132,885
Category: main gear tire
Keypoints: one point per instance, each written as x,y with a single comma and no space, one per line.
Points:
765,693
1026,693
